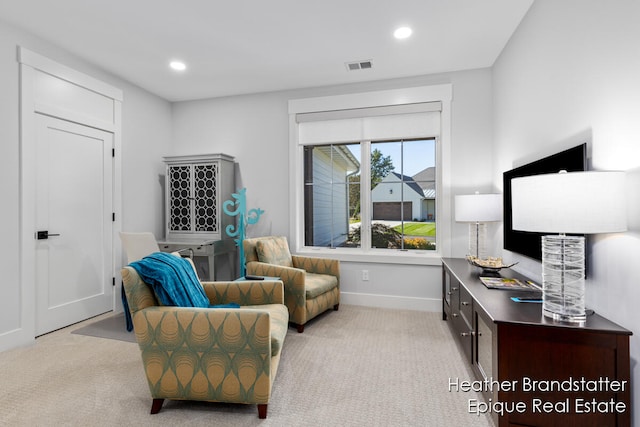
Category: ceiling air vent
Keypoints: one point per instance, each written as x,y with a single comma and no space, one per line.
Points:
359,65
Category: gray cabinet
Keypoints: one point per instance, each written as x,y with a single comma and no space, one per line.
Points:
196,187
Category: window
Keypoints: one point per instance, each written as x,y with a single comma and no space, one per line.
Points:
400,182
368,174
403,194
331,193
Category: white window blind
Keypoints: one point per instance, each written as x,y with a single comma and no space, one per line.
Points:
369,124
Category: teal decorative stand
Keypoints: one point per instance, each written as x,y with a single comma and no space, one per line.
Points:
244,217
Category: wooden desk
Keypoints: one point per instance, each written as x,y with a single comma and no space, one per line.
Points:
564,374
204,255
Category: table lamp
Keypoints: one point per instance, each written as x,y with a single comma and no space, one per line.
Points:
576,203
478,209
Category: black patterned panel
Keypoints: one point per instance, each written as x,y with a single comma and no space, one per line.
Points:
206,182
179,196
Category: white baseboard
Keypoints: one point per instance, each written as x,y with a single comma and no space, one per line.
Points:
391,301
16,338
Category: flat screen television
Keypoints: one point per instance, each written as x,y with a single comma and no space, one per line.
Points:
528,243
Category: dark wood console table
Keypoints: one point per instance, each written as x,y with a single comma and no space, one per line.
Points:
541,372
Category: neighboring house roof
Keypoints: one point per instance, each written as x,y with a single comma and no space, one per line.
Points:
426,179
429,194
341,156
409,181
428,174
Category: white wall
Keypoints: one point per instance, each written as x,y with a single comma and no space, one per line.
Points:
146,130
254,129
146,138
9,189
571,74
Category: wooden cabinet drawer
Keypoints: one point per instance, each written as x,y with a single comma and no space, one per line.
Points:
462,330
454,298
466,306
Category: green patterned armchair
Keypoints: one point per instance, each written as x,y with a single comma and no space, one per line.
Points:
311,285
210,354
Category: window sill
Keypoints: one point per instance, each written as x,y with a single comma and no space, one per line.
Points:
376,256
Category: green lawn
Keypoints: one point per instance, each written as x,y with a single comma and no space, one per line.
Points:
417,229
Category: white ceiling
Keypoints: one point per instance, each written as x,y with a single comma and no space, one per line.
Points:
248,46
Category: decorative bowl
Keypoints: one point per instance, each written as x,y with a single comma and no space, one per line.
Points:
488,265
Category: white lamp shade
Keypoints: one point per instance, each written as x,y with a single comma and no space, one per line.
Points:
575,202
478,208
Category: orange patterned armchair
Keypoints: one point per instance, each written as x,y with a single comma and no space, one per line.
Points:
311,285
210,354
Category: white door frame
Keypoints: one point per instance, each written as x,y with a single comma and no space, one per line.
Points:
81,90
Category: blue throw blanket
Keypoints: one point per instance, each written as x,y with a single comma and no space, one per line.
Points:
174,281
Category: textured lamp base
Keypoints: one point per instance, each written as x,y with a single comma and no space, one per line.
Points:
477,239
558,317
563,288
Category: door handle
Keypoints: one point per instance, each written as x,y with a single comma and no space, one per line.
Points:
44,235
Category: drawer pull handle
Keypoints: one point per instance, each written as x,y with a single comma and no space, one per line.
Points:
454,289
464,303
466,334
454,315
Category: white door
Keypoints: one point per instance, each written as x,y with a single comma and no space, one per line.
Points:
74,261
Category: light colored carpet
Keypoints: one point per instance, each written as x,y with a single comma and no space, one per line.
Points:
359,366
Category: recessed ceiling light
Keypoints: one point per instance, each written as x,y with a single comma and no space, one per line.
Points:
402,32
177,65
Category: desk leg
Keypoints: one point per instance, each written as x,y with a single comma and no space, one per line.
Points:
212,270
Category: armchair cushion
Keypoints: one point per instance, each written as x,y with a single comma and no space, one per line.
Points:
258,295
274,250
318,284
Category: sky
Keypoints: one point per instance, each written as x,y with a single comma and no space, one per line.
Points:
416,155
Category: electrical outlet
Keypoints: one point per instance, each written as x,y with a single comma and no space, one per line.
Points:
365,275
